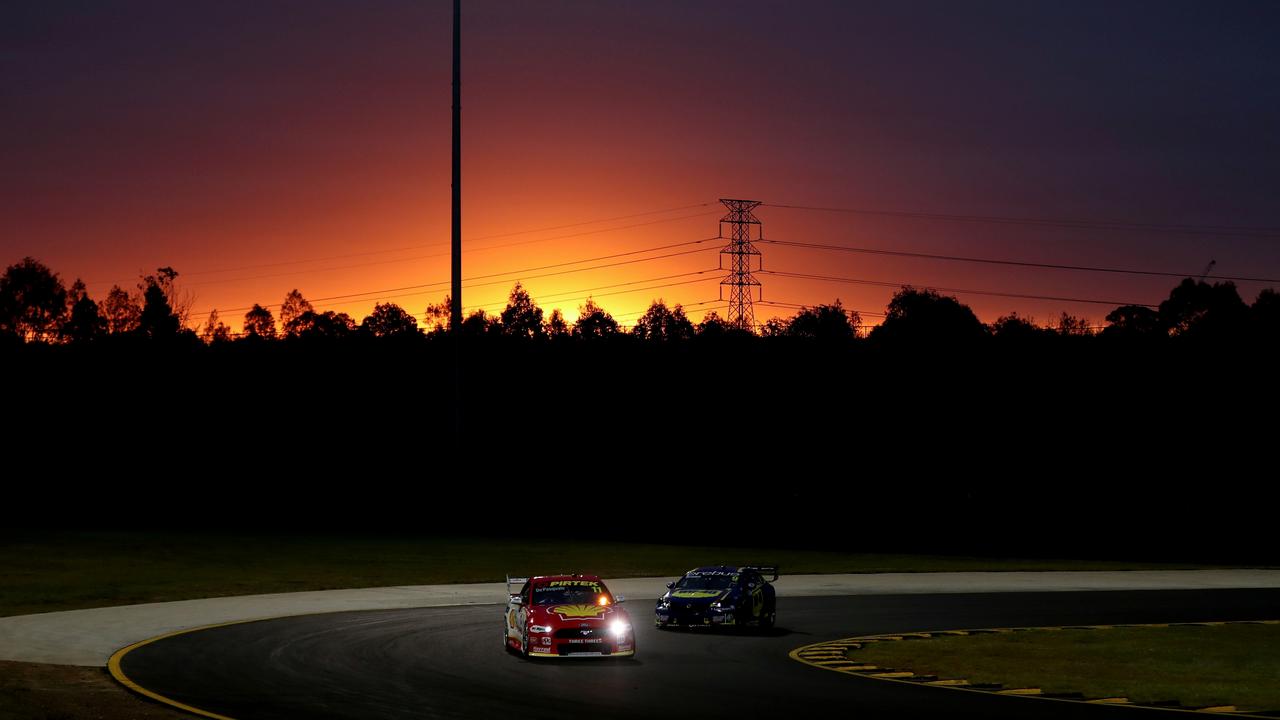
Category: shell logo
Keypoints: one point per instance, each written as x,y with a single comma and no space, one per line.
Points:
579,611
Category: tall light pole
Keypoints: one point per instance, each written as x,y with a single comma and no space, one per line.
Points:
455,309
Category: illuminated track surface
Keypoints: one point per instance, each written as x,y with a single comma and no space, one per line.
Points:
448,662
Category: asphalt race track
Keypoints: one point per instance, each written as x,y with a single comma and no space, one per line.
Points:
449,662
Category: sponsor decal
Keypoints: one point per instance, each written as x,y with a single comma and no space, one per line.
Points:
697,593
579,611
540,649
575,583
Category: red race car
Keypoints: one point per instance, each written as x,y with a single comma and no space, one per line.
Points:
566,616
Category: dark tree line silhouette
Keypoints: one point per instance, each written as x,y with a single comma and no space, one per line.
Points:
932,431
36,307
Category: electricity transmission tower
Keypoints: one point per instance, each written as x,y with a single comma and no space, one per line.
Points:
744,259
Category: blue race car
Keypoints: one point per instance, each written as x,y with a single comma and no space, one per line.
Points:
721,595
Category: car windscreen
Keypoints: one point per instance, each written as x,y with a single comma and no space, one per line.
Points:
706,582
570,592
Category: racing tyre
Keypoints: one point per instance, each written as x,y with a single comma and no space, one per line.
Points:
767,619
524,642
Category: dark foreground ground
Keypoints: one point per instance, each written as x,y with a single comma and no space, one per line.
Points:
1141,454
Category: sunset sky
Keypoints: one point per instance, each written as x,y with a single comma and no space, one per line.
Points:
261,146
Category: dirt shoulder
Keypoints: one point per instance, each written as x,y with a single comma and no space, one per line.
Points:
35,691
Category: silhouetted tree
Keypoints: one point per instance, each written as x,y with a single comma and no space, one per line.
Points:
390,320
557,328
594,323
215,331
259,324
713,326
33,301
291,309
481,323
1017,329
661,324
1264,315
327,325
773,327
916,316
522,317
825,322
157,320
1072,326
1134,321
178,300
439,316
121,311
1198,309
84,323
75,292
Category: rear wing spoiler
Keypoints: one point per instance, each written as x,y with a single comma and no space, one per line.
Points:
770,572
517,581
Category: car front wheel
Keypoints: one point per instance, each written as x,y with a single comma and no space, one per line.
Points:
767,619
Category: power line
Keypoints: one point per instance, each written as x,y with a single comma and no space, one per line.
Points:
610,257
797,306
572,292
630,313
1070,223
880,283
377,262
569,295
618,292
438,244
554,297
1016,263
519,272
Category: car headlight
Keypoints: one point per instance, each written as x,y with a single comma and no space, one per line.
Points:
620,627
539,628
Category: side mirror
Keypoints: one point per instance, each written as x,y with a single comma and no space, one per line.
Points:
619,599
670,585
516,600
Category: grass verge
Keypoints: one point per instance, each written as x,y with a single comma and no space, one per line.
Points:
1234,664
34,691
48,571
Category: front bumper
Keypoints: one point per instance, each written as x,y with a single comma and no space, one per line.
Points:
689,615
599,645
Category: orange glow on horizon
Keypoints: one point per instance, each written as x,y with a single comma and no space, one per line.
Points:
254,167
